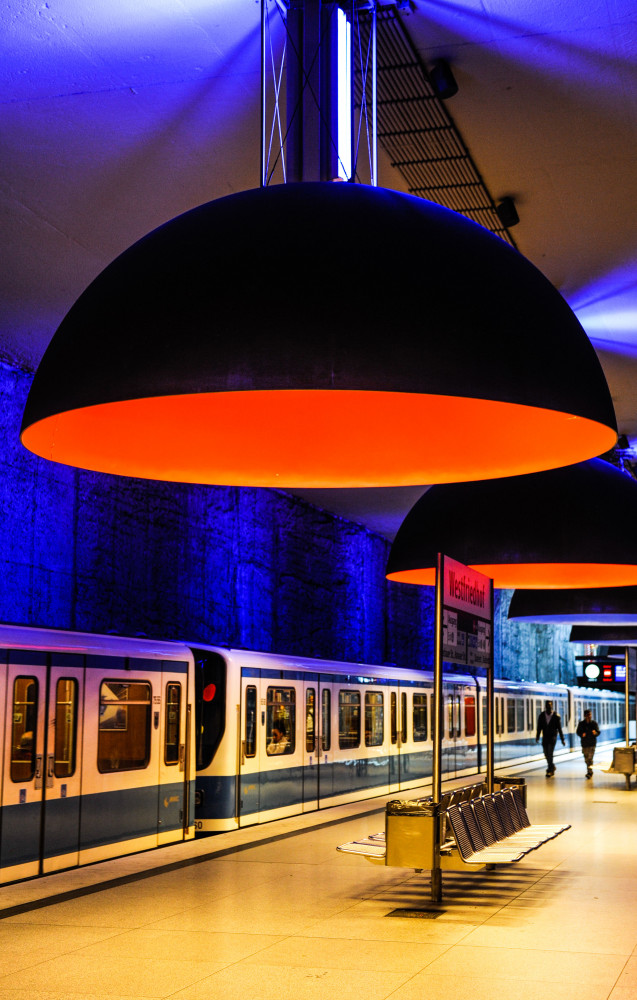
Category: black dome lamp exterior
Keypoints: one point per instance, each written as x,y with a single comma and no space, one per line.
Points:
574,527
178,362
591,606
268,339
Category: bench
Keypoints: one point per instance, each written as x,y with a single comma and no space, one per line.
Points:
476,829
624,762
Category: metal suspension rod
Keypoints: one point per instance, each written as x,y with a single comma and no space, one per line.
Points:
263,96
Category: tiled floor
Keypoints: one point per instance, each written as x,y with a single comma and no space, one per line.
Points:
278,913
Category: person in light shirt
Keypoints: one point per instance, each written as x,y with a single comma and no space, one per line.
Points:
588,731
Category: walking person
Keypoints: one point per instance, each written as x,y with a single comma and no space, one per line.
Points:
588,731
549,727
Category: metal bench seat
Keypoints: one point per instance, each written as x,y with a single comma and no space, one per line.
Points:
367,847
512,824
472,855
557,828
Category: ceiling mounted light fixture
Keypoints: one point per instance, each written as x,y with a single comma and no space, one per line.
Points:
567,528
267,339
605,635
591,606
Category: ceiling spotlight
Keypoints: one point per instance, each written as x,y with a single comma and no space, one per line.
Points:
507,212
443,80
574,528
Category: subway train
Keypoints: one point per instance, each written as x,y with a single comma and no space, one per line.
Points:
112,745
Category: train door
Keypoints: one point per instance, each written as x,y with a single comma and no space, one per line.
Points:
499,726
63,765
326,742
394,740
252,722
452,755
311,757
23,752
274,749
174,755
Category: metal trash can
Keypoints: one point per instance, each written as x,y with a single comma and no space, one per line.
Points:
624,760
500,782
409,832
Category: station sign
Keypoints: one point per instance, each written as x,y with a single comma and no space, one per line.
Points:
467,615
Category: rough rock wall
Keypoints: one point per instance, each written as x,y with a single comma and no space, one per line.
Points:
252,568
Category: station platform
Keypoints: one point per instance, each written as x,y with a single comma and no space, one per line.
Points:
275,911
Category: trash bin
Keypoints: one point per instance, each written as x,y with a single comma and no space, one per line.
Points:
409,832
624,760
500,782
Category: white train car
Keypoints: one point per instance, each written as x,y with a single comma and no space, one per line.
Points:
96,748
279,735
112,745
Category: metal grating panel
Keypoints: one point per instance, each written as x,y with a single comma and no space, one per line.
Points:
417,132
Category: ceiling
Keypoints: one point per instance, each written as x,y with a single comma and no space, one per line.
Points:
119,115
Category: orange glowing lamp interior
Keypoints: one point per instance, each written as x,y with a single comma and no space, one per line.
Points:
322,438
537,576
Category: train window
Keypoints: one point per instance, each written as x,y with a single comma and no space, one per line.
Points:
538,709
374,719
349,719
403,717
529,713
281,721
420,718
510,715
310,720
124,726
519,709
65,727
24,728
393,717
172,724
449,718
250,735
484,715
326,719
469,715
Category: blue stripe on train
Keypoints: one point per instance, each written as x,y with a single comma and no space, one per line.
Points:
106,818
217,795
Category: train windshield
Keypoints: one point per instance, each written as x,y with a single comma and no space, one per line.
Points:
210,699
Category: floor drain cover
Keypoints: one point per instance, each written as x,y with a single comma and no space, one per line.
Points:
423,914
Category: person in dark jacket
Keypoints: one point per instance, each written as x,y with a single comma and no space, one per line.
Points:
588,731
549,727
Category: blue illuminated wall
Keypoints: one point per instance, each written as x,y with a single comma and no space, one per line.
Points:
252,568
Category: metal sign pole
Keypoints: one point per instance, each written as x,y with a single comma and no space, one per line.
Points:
627,696
490,704
436,731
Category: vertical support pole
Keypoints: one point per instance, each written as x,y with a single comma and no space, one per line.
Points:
312,91
490,703
437,730
263,95
627,696
437,727
374,165
294,92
